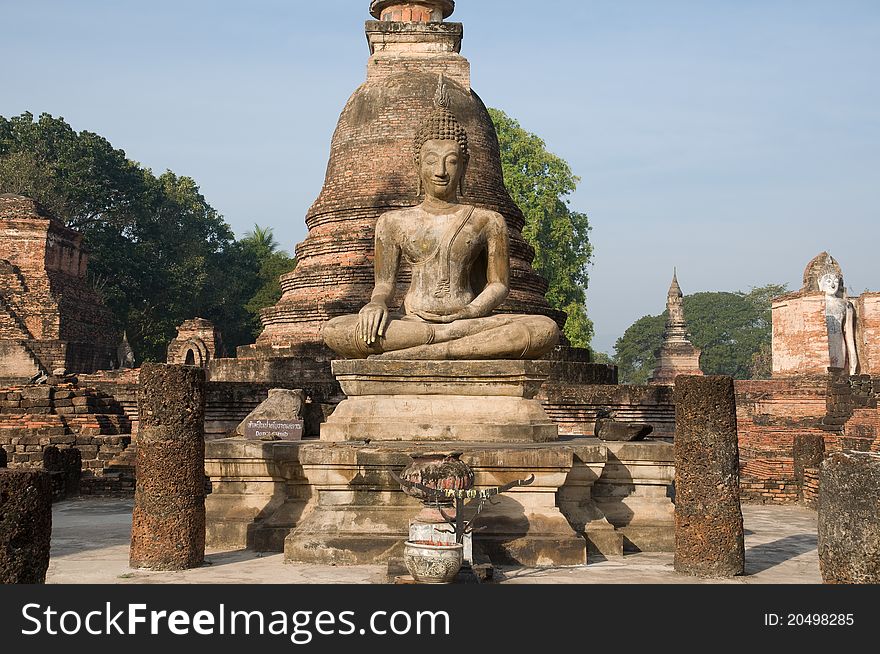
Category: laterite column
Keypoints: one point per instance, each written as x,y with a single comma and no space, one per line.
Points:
25,526
708,516
168,524
849,518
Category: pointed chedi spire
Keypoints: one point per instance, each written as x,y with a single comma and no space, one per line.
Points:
677,355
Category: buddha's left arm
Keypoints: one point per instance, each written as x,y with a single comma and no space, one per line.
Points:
849,331
497,271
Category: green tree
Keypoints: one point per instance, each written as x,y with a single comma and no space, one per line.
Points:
271,262
541,183
159,252
733,330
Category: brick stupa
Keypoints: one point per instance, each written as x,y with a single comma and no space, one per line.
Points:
677,356
51,319
371,171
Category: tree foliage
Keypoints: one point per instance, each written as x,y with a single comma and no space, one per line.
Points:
260,244
160,254
541,183
733,330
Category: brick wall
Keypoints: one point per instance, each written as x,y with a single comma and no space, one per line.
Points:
573,407
868,328
800,335
770,413
33,418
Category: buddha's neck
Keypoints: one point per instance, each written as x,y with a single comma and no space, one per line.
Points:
438,206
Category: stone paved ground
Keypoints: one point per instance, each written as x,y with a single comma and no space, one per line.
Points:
90,545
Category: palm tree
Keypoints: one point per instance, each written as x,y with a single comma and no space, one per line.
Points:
262,238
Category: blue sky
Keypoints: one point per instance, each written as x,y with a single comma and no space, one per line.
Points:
733,139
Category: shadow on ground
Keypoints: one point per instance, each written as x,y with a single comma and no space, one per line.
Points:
767,555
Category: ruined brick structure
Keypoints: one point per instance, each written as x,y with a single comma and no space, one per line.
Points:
805,397
197,343
677,356
51,318
33,418
800,333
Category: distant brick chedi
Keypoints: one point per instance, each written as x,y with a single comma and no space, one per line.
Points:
51,318
677,356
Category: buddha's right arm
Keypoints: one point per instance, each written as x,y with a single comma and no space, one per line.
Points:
385,264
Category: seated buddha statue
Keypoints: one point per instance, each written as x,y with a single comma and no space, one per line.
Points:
459,255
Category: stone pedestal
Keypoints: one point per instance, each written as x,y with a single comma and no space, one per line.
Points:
359,514
339,503
475,401
258,493
634,494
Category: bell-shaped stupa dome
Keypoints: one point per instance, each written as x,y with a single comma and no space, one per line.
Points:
371,171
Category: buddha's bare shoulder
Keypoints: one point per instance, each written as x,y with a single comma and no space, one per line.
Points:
391,219
489,219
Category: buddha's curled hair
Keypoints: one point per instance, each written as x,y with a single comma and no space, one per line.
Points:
441,125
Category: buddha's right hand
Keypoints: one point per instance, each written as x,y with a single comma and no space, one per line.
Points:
373,319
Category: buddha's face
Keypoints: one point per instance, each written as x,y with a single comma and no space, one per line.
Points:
829,284
441,169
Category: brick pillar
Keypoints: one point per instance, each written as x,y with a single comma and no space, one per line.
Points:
808,452
849,528
708,516
25,526
168,523
3,458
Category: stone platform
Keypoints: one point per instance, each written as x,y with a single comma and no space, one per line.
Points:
474,401
323,502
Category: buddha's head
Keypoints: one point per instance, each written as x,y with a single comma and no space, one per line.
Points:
830,281
829,284
440,150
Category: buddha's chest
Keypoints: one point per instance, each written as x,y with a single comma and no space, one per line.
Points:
448,239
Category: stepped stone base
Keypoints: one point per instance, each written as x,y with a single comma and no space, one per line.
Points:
337,503
473,401
361,516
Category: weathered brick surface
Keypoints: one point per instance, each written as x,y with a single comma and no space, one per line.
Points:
168,522
849,518
838,409
810,488
808,452
573,406
25,526
708,518
100,432
868,312
50,317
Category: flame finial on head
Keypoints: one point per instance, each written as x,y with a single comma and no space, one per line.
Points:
829,267
441,124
